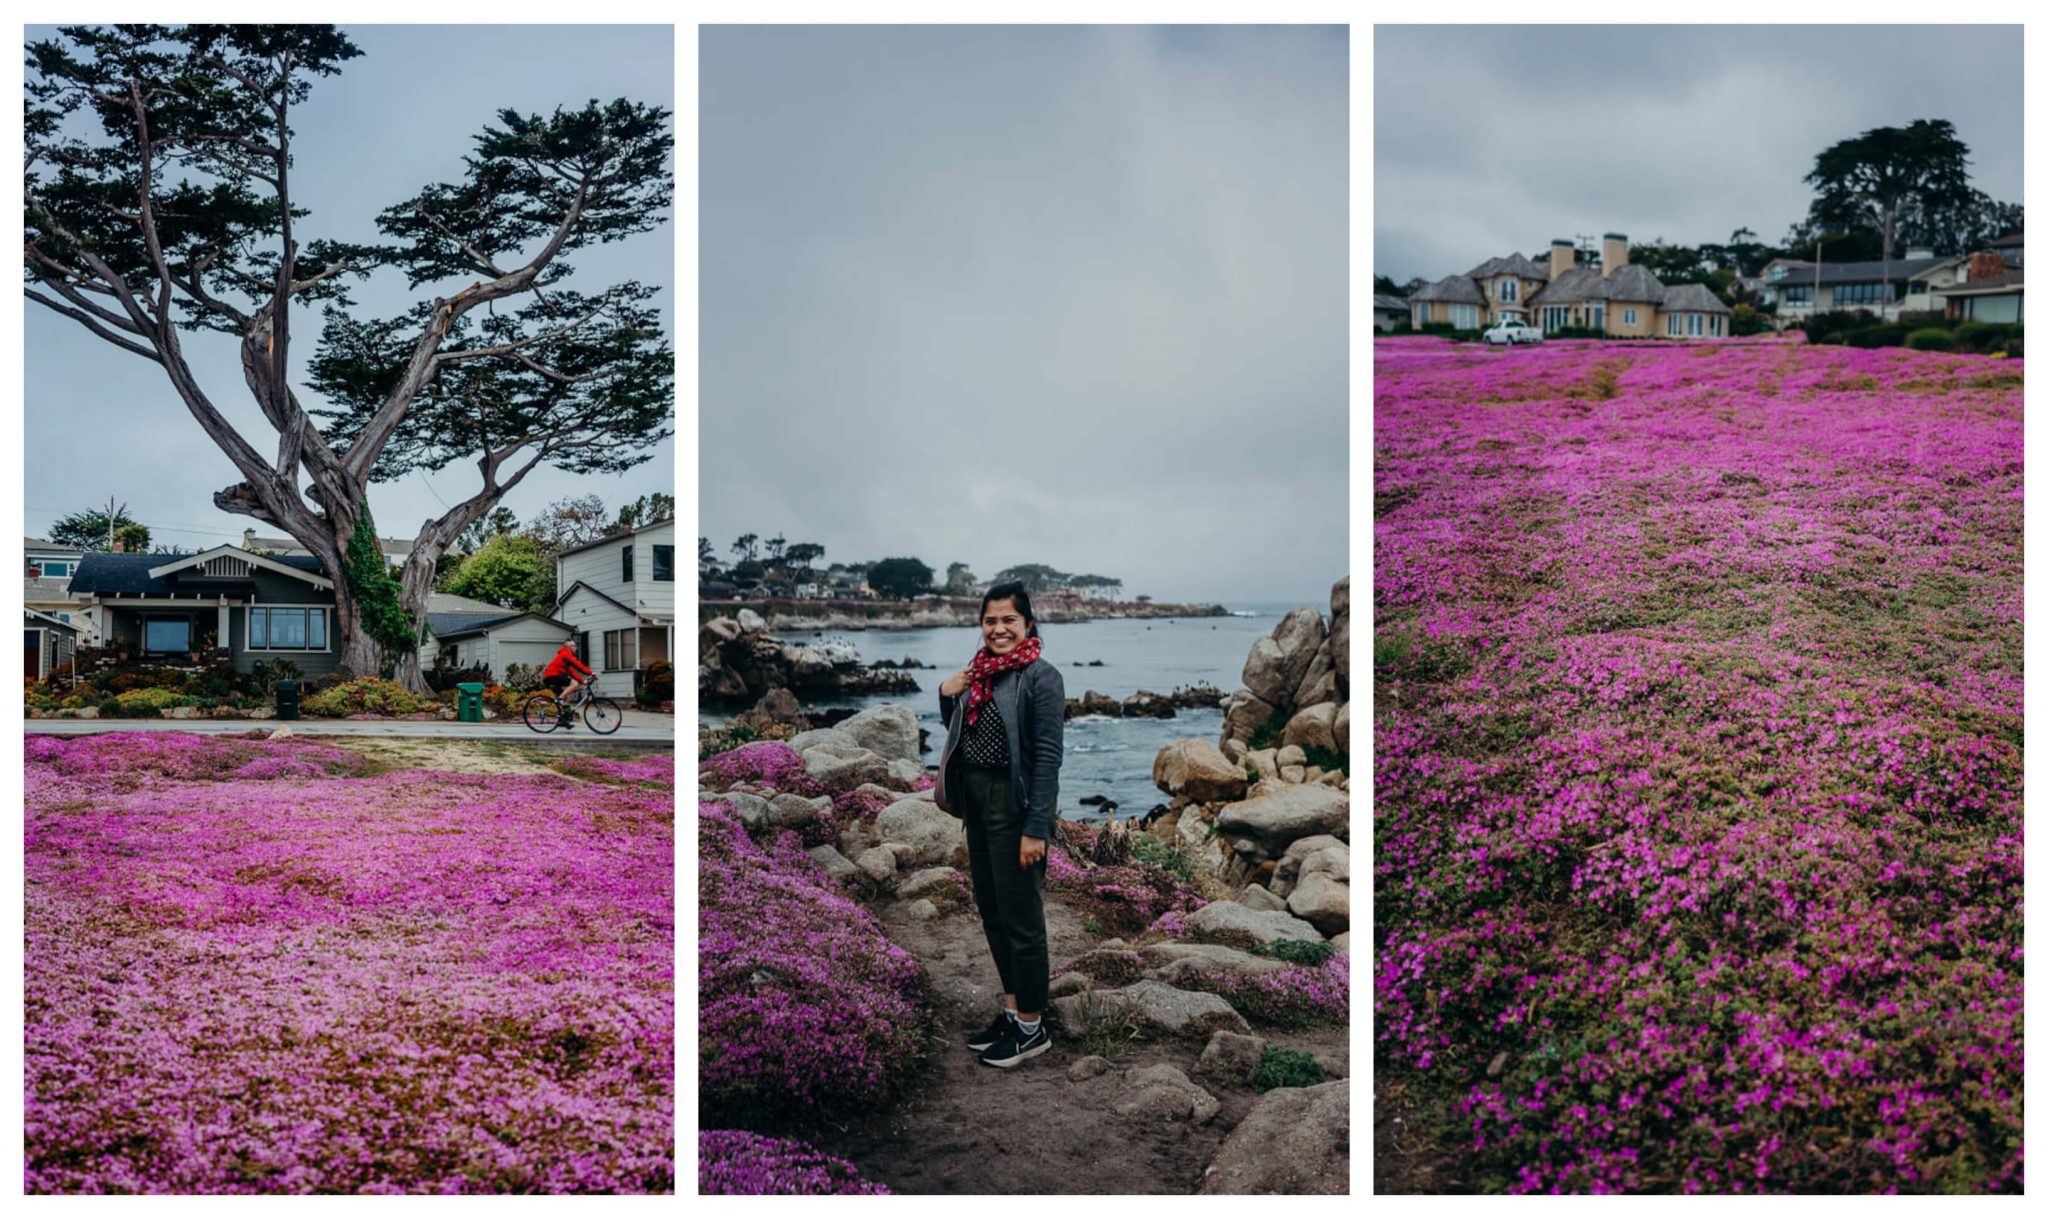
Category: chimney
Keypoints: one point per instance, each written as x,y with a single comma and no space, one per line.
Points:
1919,251
1613,252
1562,258
248,539
118,547
1985,266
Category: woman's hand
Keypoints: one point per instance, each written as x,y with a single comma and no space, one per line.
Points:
1030,851
953,686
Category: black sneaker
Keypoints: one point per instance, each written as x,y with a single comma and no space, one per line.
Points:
1016,1045
993,1033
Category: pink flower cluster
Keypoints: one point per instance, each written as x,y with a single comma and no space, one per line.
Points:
256,968
1697,763
1298,996
741,1162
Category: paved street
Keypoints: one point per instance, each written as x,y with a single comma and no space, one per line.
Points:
642,729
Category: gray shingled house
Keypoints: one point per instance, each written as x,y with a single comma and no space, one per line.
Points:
254,607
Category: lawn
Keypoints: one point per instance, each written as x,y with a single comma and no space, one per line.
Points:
259,967
1697,750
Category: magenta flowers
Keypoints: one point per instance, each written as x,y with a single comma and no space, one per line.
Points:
258,967
1698,815
741,1162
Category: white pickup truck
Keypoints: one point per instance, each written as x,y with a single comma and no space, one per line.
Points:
1511,333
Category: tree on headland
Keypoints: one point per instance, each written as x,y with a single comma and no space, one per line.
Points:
900,578
959,580
98,528
1873,181
1035,577
647,510
704,552
802,554
160,203
746,546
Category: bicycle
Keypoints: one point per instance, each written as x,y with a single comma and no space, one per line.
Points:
544,713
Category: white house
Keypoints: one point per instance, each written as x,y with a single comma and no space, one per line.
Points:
468,633
618,597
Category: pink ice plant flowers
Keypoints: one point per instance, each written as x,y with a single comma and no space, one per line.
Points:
258,967
1697,746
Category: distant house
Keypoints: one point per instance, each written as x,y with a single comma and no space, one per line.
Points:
396,550
1885,288
48,644
1603,292
1990,291
1387,311
47,586
2010,247
224,601
618,599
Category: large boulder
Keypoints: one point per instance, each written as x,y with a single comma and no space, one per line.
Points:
1265,672
1319,684
1259,897
1151,1005
1312,727
1239,926
831,740
752,809
839,866
925,882
1276,820
1244,715
1340,652
921,835
1340,598
837,772
878,864
788,810
1340,728
889,730
1331,855
751,623
1198,770
1176,964
1197,836
1323,900
1298,636
1162,1092
1294,1141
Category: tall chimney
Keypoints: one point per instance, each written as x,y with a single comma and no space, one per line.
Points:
1562,258
118,548
248,539
1613,252
1985,266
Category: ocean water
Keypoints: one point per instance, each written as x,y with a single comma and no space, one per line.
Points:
1104,756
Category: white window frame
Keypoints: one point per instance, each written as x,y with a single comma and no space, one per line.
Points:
1628,317
1421,316
1598,319
1464,317
249,628
1508,290
43,566
605,642
1693,328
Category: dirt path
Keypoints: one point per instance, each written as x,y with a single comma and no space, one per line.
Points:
970,1129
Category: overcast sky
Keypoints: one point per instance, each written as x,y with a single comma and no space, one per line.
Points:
1490,140
995,295
104,423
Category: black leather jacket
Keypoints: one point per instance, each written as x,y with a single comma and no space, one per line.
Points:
1033,703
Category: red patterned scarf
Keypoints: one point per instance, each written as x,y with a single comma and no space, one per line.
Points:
987,664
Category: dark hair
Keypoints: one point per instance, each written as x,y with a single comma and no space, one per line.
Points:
1013,591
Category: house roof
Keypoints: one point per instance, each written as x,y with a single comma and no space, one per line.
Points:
571,591
449,603
311,575
1576,284
1381,300
456,626
1458,289
1513,264
1694,298
2010,239
621,536
2012,280
1863,272
29,543
128,575
392,547
1629,282
46,589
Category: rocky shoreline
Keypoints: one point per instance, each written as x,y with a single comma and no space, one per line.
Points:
1201,985
912,615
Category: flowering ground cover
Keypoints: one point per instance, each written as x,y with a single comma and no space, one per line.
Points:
741,1162
1697,764
260,967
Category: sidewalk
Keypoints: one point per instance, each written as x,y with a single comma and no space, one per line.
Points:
641,729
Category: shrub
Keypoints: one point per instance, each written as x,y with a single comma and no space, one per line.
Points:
1930,339
1297,997
742,1162
1173,860
1299,952
110,709
443,677
504,701
657,684
1286,1069
523,678
365,696
1877,336
151,699
807,1011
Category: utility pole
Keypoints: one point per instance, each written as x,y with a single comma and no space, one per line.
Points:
110,523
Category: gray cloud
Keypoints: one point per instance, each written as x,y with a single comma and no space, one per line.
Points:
1492,139
1000,295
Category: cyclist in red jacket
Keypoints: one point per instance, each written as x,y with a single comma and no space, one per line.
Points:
565,675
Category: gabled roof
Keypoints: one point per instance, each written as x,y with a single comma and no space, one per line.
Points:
1693,298
47,545
456,626
283,565
1458,289
1513,264
624,535
1874,271
1577,284
129,575
450,603
48,621
1381,300
1629,282
2010,239
2011,280
571,591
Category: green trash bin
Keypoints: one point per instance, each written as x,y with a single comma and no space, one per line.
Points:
287,700
469,702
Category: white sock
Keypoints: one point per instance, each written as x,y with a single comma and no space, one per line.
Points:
1029,1026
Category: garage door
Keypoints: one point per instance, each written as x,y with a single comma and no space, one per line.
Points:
513,652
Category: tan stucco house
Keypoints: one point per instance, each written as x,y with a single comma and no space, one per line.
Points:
1605,292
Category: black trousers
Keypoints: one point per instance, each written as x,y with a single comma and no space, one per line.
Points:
1012,908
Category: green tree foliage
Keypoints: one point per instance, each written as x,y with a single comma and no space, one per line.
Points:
646,511
1036,577
900,577
377,593
1873,181
512,570
568,523
132,538
959,580
89,530
802,554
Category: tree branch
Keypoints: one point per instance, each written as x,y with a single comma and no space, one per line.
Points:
93,325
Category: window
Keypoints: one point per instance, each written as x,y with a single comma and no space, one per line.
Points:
296,628
1509,290
54,568
1865,294
1692,324
1599,317
1671,323
167,635
1465,317
626,563
1628,316
1917,288
1422,315
665,564
1798,294
620,650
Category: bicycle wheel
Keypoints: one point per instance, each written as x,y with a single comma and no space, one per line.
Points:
603,716
542,713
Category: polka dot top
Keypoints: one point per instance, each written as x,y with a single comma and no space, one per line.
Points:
985,743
